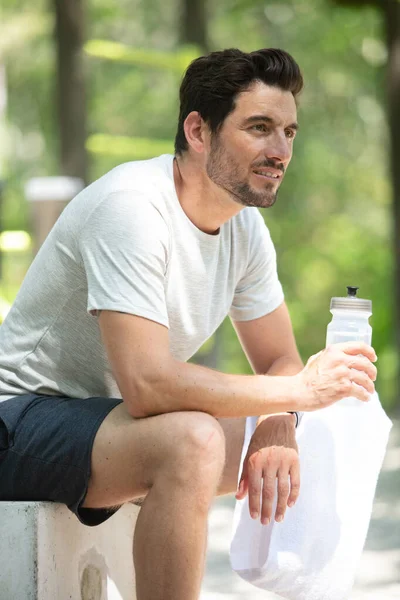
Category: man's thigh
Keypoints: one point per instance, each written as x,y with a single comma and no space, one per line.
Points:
128,453
234,438
125,456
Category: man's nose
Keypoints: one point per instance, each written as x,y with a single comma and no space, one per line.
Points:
279,148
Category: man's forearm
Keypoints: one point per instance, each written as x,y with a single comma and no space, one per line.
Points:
185,386
283,366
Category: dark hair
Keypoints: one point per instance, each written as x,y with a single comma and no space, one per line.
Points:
212,82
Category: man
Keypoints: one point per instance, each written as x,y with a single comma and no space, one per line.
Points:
137,273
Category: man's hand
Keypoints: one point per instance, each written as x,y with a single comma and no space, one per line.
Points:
339,371
272,454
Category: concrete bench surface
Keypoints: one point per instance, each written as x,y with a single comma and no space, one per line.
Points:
47,554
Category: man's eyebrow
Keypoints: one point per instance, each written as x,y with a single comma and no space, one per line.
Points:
258,118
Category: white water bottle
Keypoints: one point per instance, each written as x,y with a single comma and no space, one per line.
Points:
350,324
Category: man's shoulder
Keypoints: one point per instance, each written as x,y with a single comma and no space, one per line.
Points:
144,184
140,175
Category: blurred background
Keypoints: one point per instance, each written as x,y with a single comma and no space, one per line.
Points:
88,84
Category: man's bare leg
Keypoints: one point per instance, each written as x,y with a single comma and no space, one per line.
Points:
176,461
234,437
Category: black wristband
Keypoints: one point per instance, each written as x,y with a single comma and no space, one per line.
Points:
292,412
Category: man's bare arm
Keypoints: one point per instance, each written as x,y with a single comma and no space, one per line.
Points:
270,345
152,382
269,342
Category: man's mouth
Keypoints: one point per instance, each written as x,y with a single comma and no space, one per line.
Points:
268,174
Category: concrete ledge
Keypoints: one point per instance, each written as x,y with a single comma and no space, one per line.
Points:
47,554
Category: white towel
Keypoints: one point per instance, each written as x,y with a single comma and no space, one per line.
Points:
314,553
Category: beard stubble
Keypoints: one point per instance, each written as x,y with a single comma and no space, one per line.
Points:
224,171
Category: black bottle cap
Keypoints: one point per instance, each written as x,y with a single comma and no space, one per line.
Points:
352,291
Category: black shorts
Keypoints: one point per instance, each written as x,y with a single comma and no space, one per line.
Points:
45,450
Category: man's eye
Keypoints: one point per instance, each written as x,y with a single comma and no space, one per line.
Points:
290,133
260,127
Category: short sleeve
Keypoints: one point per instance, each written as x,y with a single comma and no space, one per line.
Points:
124,250
259,290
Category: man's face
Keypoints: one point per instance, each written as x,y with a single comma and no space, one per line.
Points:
249,155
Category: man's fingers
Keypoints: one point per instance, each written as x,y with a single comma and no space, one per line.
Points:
359,392
267,477
268,495
254,484
355,348
362,364
242,489
294,483
283,493
362,379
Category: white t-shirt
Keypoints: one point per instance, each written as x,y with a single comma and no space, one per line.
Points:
125,244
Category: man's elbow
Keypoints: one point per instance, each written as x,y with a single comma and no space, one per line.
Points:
144,398
290,364
135,409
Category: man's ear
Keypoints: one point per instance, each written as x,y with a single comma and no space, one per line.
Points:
195,130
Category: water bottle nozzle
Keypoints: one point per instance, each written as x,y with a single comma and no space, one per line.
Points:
352,291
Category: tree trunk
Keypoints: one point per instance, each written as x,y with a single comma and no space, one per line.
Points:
391,10
193,26
3,108
71,97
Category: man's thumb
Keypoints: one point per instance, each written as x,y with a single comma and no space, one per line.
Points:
241,488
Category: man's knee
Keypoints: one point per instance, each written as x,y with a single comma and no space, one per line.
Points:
182,450
197,443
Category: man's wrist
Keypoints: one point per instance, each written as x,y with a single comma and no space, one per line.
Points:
298,416
292,416
287,372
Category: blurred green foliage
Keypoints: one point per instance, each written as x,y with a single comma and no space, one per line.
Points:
332,221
